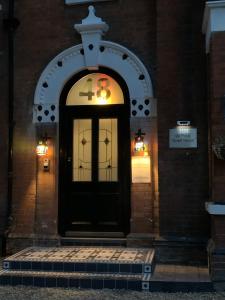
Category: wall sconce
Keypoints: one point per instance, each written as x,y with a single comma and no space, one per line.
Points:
42,147
183,136
184,127
140,148
140,162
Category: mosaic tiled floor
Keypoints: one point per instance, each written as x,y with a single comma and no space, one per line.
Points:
98,268
82,259
82,267
85,254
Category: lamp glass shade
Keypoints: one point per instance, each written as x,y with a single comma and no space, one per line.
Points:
41,149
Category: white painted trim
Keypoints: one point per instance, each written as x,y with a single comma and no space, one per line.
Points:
56,76
215,209
219,3
213,20
91,30
74,2
92,54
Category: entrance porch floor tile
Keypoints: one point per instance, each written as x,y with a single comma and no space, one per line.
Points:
84,254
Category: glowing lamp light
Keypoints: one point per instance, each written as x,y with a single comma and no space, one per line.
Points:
139,141
103,94
42,148
184,127
102,100
102,97
140,148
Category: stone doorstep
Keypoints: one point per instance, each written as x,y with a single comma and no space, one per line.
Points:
75,280
60,259
99,242
99,281
78,267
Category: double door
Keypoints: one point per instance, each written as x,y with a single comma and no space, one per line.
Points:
94,191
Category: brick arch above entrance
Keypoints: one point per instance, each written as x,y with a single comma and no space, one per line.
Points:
72,60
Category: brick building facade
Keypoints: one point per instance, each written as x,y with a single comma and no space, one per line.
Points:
182,80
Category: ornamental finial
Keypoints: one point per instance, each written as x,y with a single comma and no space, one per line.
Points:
91,10
91,18
91,29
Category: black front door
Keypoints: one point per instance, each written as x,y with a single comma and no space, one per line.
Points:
94,170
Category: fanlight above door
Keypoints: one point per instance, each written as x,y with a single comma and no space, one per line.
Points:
95,89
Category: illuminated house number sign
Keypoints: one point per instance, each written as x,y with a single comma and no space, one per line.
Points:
103,93
95,89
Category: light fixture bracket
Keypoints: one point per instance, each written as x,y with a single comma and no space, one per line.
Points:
183,123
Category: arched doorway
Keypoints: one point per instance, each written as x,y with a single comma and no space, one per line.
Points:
94,141
139,109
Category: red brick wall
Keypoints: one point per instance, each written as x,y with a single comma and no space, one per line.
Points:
217,115
181,95
176,62
217,110
216,248
142,194
217,61
47,29
46,216
3,117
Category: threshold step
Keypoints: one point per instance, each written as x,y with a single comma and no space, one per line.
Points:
83,259
85,241
94,234
75,280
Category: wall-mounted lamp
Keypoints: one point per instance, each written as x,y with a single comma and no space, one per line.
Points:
184,127
140,159
139,141
140,148
42,147
42,151
184,135
183,123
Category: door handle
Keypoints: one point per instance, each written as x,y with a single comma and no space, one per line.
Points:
69,159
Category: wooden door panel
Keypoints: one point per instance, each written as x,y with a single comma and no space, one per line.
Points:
81,206
95,206
108,207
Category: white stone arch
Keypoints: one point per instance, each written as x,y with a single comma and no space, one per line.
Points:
92,54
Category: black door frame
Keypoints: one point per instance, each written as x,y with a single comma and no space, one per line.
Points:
63,111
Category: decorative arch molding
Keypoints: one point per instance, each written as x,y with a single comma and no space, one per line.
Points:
80,57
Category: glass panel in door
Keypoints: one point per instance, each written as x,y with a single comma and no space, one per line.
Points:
108,150
82,150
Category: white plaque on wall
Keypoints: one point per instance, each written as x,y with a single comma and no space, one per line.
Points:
141,169
183,137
